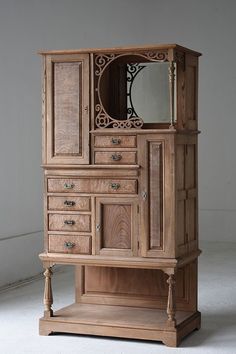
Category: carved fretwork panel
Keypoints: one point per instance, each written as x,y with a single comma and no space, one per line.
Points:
106,78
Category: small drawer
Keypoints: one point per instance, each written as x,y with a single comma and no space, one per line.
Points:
128,141
69,222
115,157
71,203
93,185
70,244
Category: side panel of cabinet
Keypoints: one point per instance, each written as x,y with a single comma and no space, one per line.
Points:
116,226
67,109
156,159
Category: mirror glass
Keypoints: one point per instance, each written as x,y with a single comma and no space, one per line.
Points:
130,87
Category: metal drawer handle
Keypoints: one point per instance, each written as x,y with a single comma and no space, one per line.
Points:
115,186
69,244
69,185
115,141
69,222
116,157
69,203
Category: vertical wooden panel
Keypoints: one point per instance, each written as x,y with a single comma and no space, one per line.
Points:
155,194
116,224
191,93
180,167
190,169
180,222
67,108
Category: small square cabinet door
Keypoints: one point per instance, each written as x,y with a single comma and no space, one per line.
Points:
67,109
116,226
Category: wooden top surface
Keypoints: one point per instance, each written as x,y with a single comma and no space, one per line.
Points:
121,49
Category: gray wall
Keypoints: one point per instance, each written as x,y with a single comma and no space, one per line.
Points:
28,25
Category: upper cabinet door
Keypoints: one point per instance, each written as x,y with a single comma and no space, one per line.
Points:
67,109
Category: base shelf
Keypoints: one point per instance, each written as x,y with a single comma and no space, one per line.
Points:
121,321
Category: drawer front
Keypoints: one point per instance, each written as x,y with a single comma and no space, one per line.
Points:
70,244
71,203
93,185
69,222
115,141
115,157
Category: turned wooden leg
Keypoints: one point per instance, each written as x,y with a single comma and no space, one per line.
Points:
171,306
48,299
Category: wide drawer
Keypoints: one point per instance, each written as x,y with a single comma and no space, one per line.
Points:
115,141
93,185
115,157
71,203
69,222
70,244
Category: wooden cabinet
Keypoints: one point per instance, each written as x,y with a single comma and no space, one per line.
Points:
121,190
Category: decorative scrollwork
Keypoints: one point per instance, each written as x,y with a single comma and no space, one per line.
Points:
132,71
156,56
101,61
103,120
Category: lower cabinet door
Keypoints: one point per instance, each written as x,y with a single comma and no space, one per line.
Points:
116,226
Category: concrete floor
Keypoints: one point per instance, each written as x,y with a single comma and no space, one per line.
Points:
21,307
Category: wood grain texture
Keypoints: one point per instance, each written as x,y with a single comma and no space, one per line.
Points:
111,141
67,204
132,222
116,225
93,185
56,222
67,108
81,244
155,158
124,157
120,322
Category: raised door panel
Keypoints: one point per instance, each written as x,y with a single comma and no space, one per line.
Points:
67,109
116,226
156,195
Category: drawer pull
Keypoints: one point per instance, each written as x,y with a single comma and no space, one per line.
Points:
116,157
69,203
115,141
69,222
69,244
69,185
115,186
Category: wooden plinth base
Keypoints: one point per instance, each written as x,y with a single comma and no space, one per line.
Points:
121,321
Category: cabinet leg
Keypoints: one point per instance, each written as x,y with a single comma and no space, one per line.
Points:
171,305
48,299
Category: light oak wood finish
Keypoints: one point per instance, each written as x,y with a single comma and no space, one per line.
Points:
95,185
117,321
111,141
70,244
69,222
115,157
48,299
68,204
121,203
